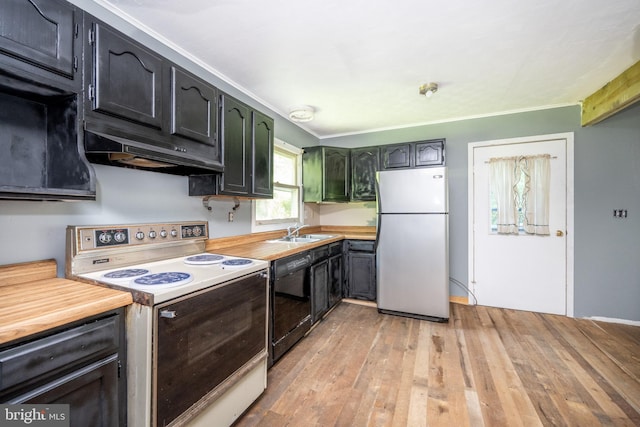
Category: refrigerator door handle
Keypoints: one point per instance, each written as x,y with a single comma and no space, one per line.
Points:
378,227
379,209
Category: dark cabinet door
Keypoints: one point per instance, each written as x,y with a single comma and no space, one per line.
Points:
365,162
262,167
335,280
235,131
361,281
336,174
396,156
319,290
91,393
41,32
127,78
430,153
193,108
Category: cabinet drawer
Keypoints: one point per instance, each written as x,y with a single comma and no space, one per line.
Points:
335,248
360,245
318,254
63,350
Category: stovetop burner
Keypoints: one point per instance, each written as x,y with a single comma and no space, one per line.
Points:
237,262
126,274
204,259
169,278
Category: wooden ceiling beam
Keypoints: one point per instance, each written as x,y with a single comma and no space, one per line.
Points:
615,96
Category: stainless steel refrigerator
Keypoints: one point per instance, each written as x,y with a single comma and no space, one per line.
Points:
413,243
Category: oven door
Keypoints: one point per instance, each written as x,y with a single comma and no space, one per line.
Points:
202,339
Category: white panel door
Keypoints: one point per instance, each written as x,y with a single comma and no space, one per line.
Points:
523,272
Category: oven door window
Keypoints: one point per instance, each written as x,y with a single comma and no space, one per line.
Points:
203,339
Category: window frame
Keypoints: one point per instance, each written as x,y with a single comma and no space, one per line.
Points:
278,224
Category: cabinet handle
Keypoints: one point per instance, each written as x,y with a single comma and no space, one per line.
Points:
169,314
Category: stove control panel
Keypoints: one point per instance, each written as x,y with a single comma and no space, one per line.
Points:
109,236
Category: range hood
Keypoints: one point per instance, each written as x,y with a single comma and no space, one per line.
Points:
124,151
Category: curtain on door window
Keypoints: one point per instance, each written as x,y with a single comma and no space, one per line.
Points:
520,192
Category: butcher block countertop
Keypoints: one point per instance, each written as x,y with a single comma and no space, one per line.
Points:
256,245
33,299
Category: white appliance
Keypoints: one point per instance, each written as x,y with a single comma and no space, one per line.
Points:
204,313
412,243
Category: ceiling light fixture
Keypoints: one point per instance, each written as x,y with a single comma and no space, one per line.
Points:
428,89
301,113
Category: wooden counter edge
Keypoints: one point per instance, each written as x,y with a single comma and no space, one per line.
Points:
106,300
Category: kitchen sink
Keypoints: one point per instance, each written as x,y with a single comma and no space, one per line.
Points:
308,238
319,236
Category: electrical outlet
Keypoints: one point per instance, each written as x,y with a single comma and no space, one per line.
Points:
619,213
230,216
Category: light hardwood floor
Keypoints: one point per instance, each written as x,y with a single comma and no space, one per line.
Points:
486,367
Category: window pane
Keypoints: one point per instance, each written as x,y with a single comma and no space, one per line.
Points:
284,168
284,205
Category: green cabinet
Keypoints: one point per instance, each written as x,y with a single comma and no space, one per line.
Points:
365,162
326,174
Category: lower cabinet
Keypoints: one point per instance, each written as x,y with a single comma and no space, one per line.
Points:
81,365
326,279
335,278
319,290
360,270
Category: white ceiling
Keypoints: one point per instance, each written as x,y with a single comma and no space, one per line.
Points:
359,63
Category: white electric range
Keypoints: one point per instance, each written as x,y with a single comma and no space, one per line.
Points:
204,312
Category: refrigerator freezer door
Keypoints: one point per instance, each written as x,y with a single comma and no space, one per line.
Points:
413,264
412,190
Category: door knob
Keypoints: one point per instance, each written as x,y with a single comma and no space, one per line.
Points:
559,233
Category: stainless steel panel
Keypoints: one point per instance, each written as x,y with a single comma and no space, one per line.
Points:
412,190
413,264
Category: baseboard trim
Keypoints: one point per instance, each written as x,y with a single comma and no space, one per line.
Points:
459,300
454,299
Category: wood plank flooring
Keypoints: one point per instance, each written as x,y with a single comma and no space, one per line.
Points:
486,367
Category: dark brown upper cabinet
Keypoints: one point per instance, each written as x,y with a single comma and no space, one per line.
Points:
430,153
143,111
247,137
41,141
42,33
326,174
194,108
236,130
413,154
262,147
365,162
396,156
127,78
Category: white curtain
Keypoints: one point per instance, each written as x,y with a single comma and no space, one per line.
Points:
521,182
502,180
535,197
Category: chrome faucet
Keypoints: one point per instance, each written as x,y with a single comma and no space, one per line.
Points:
294,230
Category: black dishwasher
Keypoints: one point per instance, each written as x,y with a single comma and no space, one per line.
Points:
290,303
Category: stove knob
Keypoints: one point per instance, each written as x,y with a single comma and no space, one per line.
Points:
174,233
197,231
139,235
120,237
163,234
152,234
104,238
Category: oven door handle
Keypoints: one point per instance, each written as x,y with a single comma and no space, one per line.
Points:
169,314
